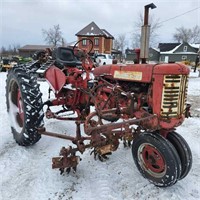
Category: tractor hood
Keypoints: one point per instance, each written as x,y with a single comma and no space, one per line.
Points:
136,72
139,72
171,68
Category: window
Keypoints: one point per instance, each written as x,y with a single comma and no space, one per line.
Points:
84,42
101,56
184,57
185,48
96,51
96,41
150,55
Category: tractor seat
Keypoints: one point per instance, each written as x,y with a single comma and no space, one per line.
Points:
65,56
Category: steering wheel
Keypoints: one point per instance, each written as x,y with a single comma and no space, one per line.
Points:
79,52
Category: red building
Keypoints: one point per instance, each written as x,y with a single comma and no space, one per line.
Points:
102,39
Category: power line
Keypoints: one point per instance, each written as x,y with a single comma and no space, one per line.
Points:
130,32
179,15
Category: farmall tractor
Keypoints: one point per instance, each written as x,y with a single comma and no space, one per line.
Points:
139,105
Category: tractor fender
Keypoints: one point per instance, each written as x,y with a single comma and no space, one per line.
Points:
55,77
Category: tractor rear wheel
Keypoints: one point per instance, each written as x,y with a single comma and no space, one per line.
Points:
156,159
183,150
24,106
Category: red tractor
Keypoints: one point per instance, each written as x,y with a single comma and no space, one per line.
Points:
139,104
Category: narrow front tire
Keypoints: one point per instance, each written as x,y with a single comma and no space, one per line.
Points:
156,159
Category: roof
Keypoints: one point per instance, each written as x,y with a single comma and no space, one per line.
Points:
172,50
196,45
155,49
108,35
115,51
188,53
71,43
175,47
35,47
130,51
93,30
167,46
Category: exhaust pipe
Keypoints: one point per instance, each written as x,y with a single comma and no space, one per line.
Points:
145,33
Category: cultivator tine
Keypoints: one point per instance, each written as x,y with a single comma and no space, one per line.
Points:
128,138
102,157
102,152
127,143
67,161
67,170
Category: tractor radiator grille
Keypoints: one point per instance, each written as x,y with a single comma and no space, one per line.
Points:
174,95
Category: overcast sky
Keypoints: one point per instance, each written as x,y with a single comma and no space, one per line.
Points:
22,21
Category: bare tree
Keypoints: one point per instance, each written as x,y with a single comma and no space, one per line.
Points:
187,35
195,34
116,44
3,50
136,37
15,48
64,42
53,36
120,42
154,26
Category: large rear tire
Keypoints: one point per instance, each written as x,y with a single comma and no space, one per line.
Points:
24,105
183,150
156,159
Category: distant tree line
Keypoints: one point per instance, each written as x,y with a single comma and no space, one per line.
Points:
53,36
10,50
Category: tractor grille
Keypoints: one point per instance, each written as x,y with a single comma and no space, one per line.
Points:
174,95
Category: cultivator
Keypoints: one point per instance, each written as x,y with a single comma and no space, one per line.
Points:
103,138
138,104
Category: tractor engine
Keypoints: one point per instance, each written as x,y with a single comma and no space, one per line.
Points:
159,89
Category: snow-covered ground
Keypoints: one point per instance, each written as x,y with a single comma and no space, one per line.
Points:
26,174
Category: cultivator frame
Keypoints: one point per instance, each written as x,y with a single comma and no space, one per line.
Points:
113,132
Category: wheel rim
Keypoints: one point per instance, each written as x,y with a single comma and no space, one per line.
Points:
16,112
20,108
151,160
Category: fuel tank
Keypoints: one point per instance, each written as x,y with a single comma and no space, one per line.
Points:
136,72
139,72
